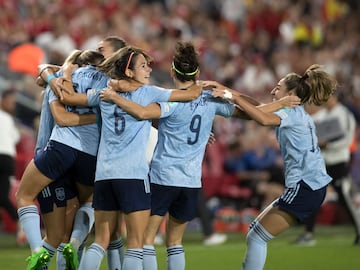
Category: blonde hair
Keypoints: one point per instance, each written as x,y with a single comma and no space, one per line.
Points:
315,86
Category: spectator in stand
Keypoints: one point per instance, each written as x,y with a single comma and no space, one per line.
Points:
258,165
9,137
336,153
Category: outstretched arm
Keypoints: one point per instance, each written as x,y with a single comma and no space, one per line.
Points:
151,111
288,101
263,118
193,92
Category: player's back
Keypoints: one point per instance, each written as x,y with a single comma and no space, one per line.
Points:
184,131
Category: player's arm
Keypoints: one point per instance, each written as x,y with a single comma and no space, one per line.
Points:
193,92
47,76
151,111
65,118
263,118
69,96
288,101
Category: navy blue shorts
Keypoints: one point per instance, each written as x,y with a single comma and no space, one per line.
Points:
301,201
180,202
127,195
59,159
56,193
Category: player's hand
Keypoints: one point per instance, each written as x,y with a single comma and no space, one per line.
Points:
290,101
124,85
211,85
212,139
40,82
64,85
108,94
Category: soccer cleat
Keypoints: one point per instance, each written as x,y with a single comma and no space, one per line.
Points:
305,240
71,257
215,239
357,240
37,260
158,240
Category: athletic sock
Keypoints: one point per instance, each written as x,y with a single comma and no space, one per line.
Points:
83,223
150,262
256,241
133,259
113,254
30,221
175,258
92,258
51,251
60,260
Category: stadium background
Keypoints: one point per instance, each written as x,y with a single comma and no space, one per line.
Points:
245,44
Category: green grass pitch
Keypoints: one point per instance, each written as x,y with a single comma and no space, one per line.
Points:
334,250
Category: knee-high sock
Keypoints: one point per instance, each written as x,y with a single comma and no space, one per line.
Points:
133,259
81,251
84,221
150,262
51,251
60,260
30,221
114,259
92,258
176,258
256,241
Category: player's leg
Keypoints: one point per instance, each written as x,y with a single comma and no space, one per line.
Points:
83,171
182,210
32,182
105,223
115,250
175,251
150,262
296,203
72,205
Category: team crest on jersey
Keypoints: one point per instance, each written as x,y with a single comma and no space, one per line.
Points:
168,105
60,194
92,92
282,114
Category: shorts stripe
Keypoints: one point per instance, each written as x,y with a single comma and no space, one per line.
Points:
290,194
46,192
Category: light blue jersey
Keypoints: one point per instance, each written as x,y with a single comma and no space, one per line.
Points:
184,130
299,149
46,122
84,138
124,139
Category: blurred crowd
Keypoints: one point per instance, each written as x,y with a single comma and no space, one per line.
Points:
246,45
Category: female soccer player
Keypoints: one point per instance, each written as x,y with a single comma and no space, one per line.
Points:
70,147
121,183
305,174
115,251
175,171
